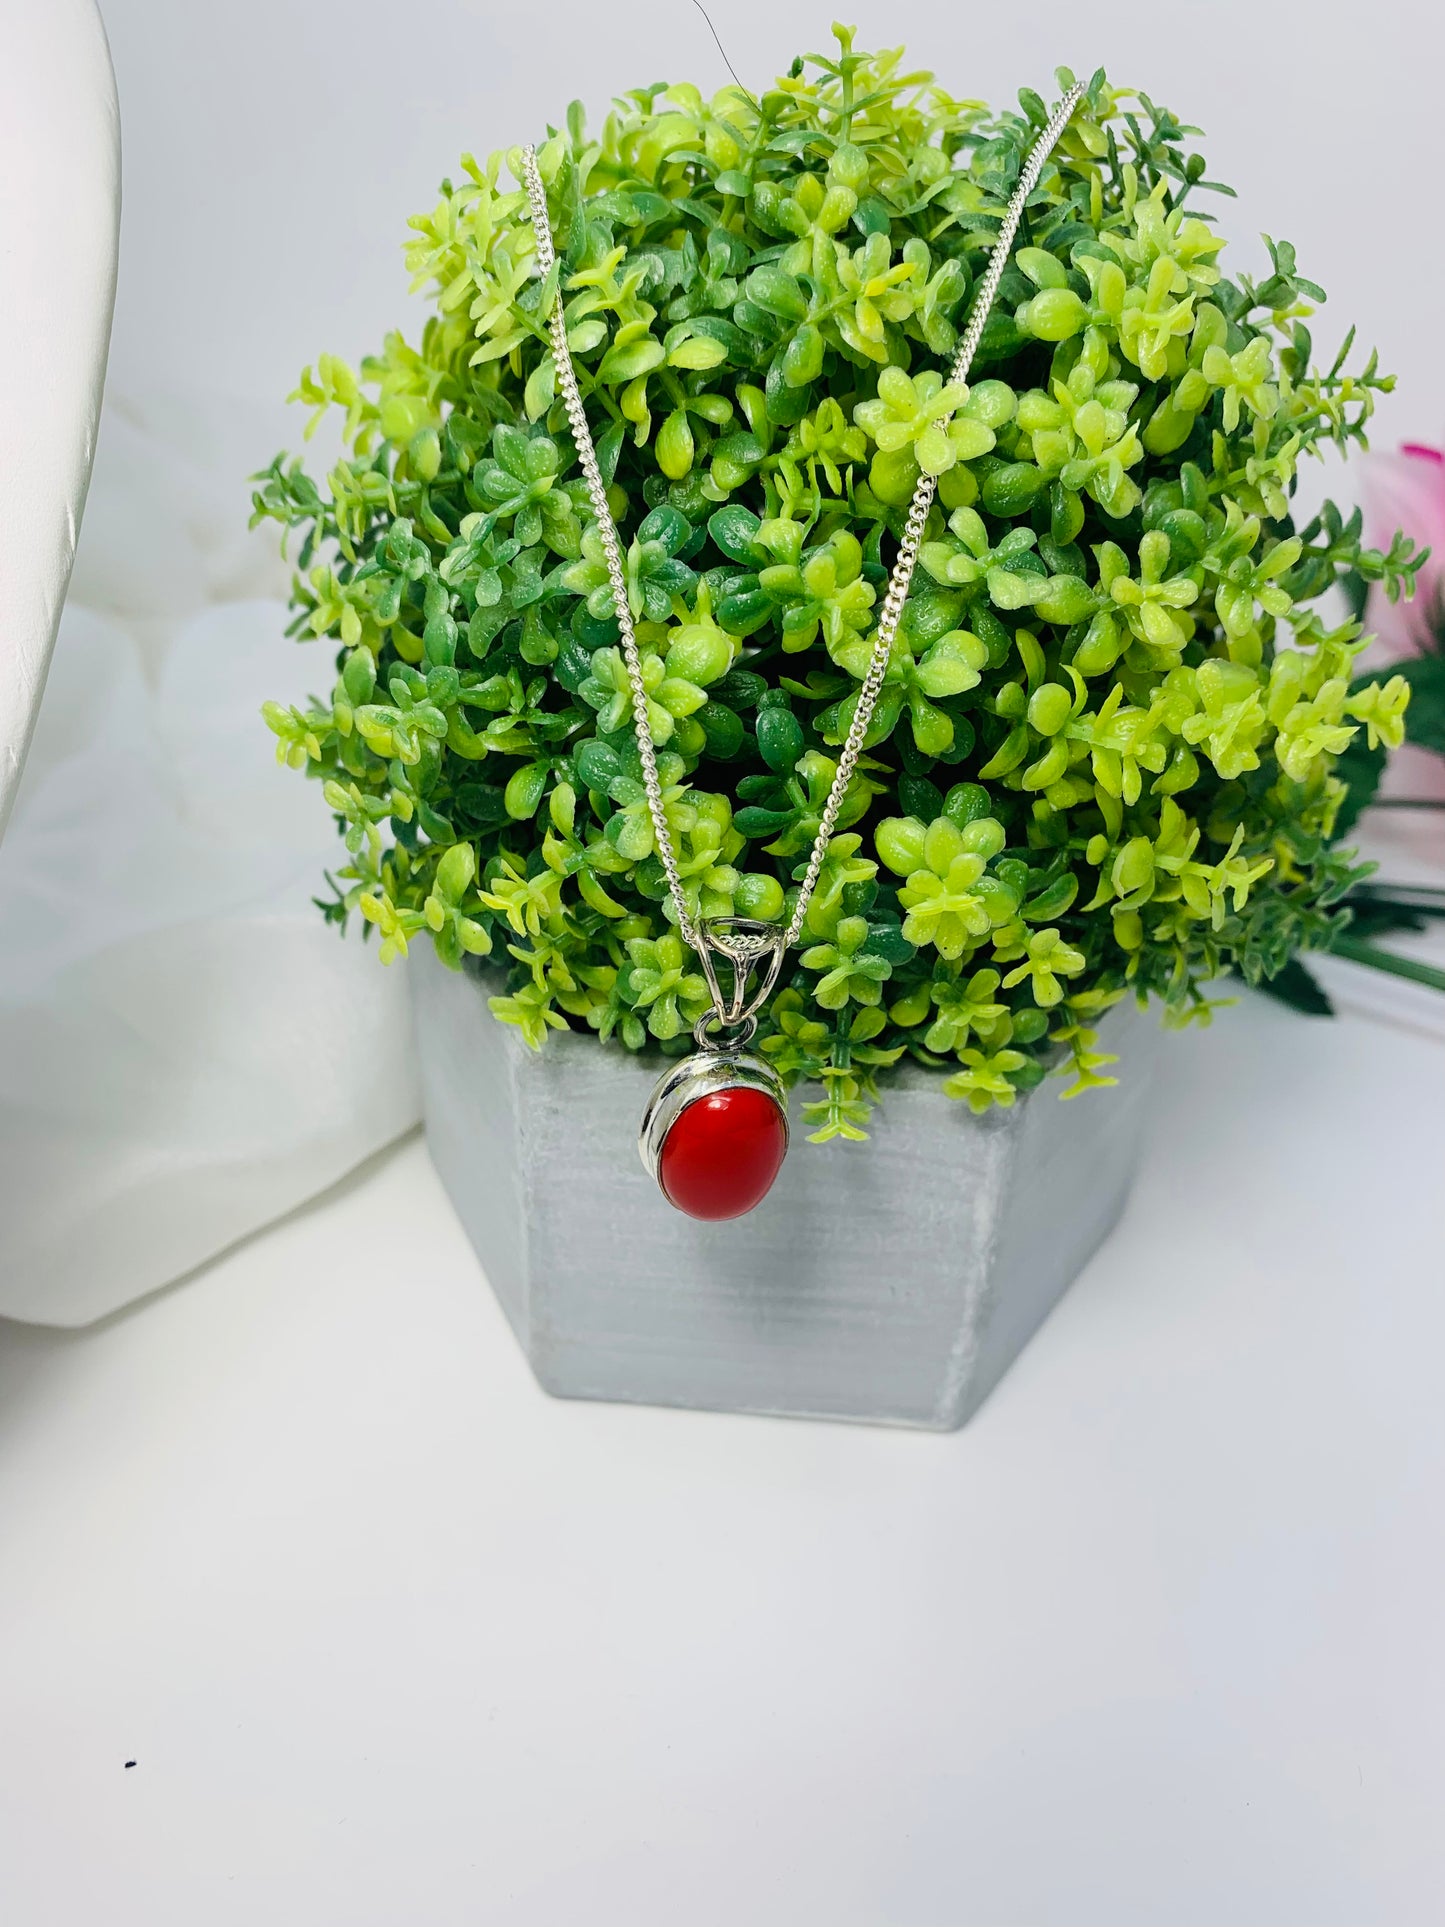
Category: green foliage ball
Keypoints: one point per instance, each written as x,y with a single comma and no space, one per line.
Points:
1102,760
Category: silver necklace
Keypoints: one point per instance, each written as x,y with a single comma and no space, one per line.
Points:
715,1130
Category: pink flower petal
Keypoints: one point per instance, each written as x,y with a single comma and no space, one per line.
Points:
1406,491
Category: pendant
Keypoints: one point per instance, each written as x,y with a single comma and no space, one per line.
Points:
715,1132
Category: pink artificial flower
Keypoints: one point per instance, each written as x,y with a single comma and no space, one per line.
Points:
1406,491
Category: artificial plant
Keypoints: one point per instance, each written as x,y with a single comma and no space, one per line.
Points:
1375,907
1104,761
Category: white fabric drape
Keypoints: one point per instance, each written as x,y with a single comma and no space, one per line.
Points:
186,1050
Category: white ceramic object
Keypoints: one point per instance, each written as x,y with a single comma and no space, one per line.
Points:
177,1026
893,1282
59,231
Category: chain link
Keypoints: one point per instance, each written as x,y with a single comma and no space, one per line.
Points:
899,582
607,528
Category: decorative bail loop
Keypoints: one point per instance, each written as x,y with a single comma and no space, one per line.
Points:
755,951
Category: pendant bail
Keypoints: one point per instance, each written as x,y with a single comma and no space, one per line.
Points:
755,950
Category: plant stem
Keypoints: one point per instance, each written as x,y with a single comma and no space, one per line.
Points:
1370,954
1408,803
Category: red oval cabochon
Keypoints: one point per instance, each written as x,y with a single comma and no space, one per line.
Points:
721,1156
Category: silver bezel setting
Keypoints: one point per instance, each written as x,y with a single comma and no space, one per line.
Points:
703,1074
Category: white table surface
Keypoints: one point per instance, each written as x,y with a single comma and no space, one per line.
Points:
394,1640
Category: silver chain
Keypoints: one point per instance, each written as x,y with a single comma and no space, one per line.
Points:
898,584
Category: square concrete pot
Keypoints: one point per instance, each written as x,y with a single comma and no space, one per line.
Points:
892,1282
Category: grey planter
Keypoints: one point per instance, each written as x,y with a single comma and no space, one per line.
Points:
893,1282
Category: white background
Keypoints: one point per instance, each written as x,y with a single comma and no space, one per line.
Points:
396,1642
274,149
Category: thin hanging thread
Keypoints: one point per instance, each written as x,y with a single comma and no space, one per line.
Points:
724,52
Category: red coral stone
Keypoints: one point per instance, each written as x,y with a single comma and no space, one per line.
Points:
720,1158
